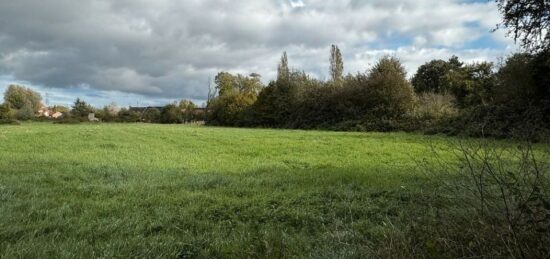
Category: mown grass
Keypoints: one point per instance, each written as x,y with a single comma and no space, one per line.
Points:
142,190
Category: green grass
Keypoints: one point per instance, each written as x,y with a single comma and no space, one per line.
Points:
140,190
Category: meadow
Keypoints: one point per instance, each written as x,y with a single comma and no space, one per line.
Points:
186,191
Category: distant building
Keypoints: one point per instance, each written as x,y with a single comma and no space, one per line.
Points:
57,115
45,112
92,118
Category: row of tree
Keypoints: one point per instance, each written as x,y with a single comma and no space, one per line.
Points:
22,103
511,99
184,111
443,95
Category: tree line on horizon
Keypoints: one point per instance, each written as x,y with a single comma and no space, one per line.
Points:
23,104
511,99
447,96
444,96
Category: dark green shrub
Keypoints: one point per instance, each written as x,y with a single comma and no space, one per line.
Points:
432,76
387,90
171,114
81,109
128,116
151,115
9,122
5,111
25,113
69,120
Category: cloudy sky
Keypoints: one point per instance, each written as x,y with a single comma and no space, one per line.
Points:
150,52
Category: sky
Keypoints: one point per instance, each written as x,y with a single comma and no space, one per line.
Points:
151,52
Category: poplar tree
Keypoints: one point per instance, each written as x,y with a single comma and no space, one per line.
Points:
336,64
283,72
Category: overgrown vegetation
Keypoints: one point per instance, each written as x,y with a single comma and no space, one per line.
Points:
146,190
449,97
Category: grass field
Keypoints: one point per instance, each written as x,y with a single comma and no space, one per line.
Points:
141,190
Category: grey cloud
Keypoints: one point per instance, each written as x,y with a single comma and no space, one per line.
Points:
168,48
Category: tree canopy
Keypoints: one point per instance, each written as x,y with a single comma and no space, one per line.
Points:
528,21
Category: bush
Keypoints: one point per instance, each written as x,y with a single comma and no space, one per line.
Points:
236,93
125,115
19,97
69,120
387,90
494,201
9,122
430,106
432,76
151,115
499,121
25,113
81,109
5,111
171,114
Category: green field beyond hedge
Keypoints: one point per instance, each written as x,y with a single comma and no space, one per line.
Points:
144,190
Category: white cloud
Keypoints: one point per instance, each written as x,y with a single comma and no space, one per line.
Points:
168,48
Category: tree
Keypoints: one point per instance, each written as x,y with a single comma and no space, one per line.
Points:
388,92
224,83
336,64
171,114
18,97
187,108
4,111
235,94
126,115
514,80
60,108
81,108
283,71
528,21
151,115
472,85
432,76
25,113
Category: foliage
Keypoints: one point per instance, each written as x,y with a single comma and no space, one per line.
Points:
60,108
25,113
283,70
109,113
236,93
81,108
19,97
388,90
432,77
70,120
472,84
151,115
514,80
9,122
504,192
187,108
5,111
431,106
336,65
528,21
171,114
129,116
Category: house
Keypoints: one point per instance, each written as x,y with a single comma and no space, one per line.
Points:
45,112
57,115
92,118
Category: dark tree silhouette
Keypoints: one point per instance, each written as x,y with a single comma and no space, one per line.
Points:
528,21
